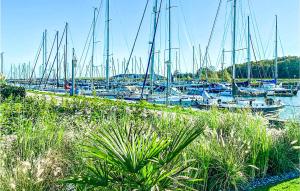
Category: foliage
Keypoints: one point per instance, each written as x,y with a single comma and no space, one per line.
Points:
6,91
44,141
288,67
134,157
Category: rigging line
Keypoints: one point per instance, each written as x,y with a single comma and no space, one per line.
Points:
89,33
187,33
86,55
122,25
70,33
212,32
88,68
60,62
56,57
256,28
241,37
84,48
271,35
283,55
45,70
226,27
281,46
254,54
137,35
35,63
62,37
151,50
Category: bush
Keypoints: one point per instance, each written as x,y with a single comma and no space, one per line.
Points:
7,91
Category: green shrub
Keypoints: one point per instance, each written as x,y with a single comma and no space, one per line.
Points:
123,155
7,91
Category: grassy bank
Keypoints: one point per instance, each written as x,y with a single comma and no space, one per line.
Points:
95,144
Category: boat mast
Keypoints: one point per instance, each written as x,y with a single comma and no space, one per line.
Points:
193,63
107,43
93,50
276,51
153,51
170,57
44,60
57,60
45,49
200,63
223,63
233,49
74,62
66,55
248,52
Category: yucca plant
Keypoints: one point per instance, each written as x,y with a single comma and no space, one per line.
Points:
124,156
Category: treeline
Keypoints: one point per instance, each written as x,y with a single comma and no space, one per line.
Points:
288,67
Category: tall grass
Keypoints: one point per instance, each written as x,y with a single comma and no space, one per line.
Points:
99,144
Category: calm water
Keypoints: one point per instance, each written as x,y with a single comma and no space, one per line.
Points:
292,108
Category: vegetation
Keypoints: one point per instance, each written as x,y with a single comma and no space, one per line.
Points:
96,144
292,185
288,68
7,91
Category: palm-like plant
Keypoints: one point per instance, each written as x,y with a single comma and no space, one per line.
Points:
127,157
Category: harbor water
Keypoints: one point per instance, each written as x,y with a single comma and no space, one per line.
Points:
291,110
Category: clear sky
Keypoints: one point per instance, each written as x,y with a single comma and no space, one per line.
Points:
23,21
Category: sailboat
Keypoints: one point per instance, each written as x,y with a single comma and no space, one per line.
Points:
266,106
271,86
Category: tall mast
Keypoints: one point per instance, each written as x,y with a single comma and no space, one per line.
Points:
234,48
66,55
176,61
153,51
206,66
43,63
276,51
223,63
74,62
93,50
200,62
45,49
158,62
193,62
248,52
107,43
57,60
170,56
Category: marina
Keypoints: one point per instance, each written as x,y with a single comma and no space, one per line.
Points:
149,95
167,89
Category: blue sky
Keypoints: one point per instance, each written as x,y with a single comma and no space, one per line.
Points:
23,21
